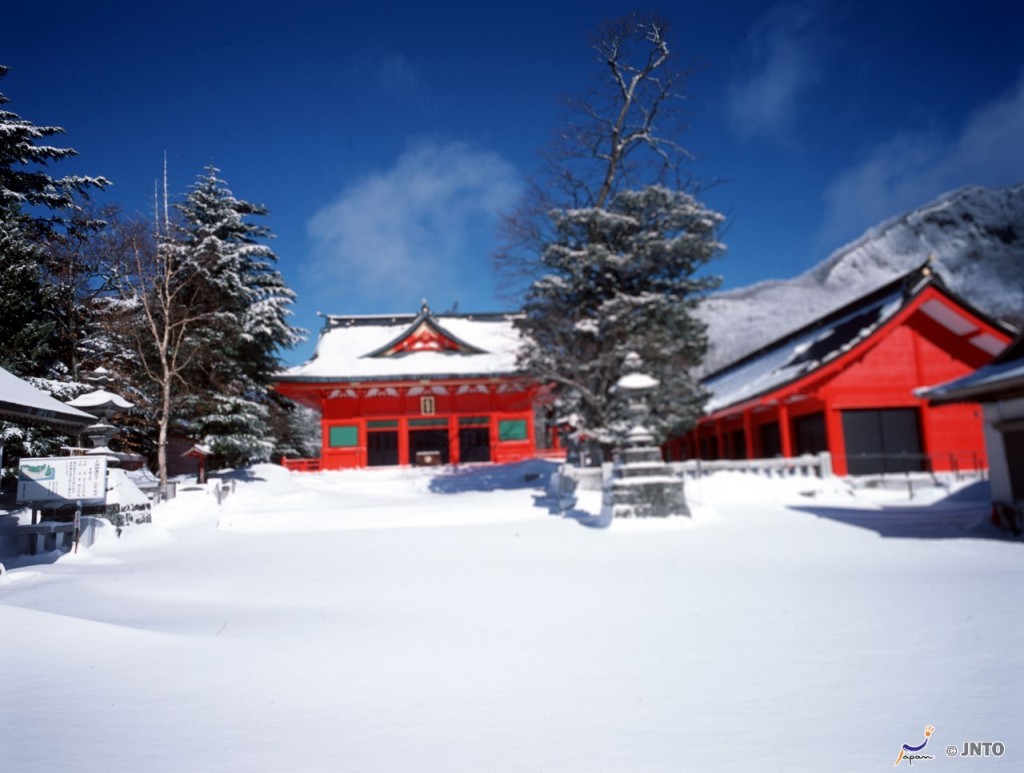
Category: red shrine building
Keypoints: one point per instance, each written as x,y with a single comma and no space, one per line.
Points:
846,384
417,389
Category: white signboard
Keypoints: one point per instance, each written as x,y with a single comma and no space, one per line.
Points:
56,478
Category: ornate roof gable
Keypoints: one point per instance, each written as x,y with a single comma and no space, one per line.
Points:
425,334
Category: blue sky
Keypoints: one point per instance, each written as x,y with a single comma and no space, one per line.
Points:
386,137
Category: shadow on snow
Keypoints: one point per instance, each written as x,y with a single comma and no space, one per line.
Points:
529,474
963,514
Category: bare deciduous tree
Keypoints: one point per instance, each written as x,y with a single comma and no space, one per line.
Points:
623,132
155,312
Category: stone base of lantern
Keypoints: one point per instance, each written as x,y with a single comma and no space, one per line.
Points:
642,486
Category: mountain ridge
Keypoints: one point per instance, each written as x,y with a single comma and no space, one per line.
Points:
976,238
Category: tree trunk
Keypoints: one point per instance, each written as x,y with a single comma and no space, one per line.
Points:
165,420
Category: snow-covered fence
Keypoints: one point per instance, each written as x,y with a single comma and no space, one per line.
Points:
808,465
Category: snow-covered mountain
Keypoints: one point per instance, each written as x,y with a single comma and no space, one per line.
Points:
977,238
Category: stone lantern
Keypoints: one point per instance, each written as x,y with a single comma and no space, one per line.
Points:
126,501
641,485
103,405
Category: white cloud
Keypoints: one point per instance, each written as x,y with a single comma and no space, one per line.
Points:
912,168
413,230
785,65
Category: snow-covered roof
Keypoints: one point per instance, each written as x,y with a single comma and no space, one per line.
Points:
101,397
21,400
400,346
809,348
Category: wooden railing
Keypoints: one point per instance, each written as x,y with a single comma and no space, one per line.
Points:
301,465
816,465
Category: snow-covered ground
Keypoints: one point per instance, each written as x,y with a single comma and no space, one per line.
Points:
410,620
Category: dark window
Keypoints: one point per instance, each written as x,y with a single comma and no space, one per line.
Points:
1013,443
771,441
738,444
809,434
474,444
428,440
381,448
880,441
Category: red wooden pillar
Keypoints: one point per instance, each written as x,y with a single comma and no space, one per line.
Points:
719,439
785,436
403,441
453,440
362,442
835,440
748,433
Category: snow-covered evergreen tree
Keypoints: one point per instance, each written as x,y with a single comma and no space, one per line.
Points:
297,430
247,304
623,278
72,268
612,242
26,327
34,208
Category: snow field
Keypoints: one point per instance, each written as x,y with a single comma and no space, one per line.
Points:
414,620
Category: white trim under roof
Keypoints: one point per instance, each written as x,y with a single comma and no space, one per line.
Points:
957,323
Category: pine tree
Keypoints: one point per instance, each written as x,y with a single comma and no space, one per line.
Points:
623,278
614,244
34,209
296,428
26,326
248,304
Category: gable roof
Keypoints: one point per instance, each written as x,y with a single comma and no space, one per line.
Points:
20,401
408,346
1001,379
425,334
805,350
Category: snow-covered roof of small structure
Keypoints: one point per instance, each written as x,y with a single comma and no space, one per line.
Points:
809,348
636,382
101,397
20,400
399,346
1001,379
